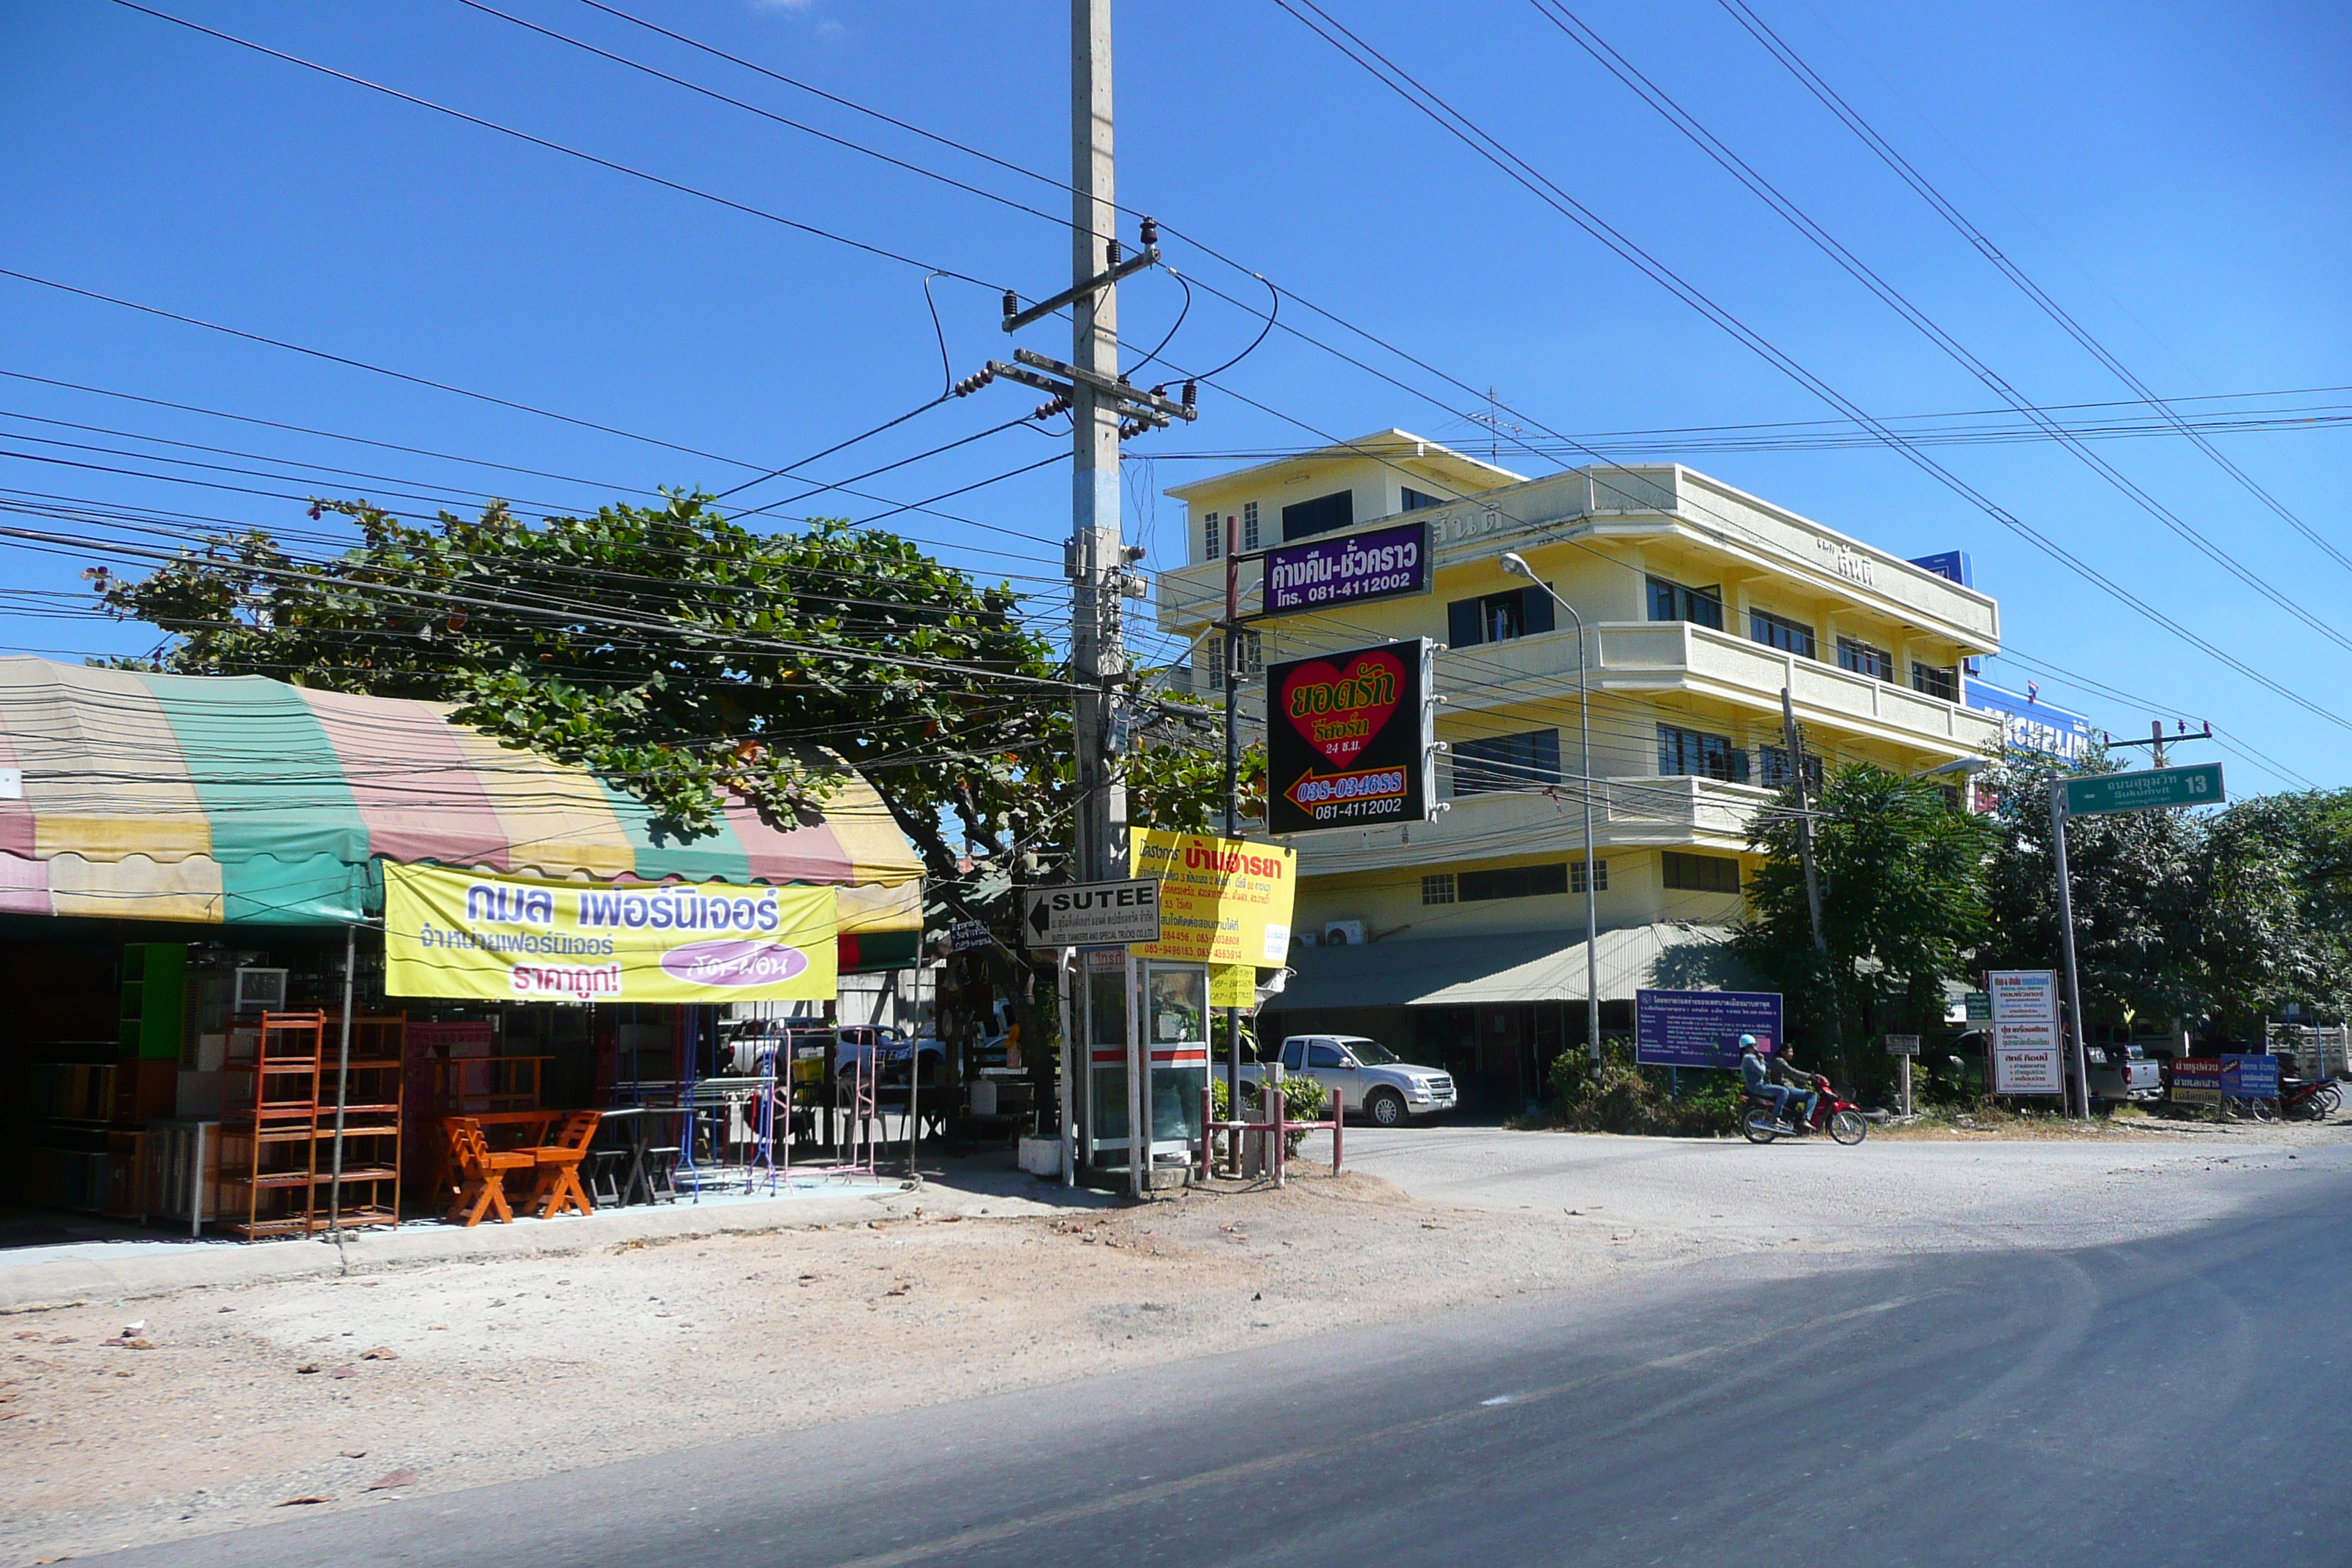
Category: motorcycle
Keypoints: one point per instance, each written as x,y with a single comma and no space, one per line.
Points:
1760,1120
2312,1100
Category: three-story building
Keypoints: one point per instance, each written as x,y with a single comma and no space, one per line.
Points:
1460,939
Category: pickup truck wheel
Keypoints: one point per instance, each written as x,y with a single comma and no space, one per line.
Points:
1386,1108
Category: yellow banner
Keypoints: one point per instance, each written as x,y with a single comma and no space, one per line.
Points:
1234,986
1221,901
456,933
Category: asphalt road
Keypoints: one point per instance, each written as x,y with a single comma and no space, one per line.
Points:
2157,1402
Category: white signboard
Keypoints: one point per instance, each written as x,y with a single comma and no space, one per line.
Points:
2026,1056
1091,914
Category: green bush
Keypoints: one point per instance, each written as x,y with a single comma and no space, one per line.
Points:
1303,1100
1617,1096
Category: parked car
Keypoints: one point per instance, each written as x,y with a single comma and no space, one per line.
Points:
1376,1082
2124,1073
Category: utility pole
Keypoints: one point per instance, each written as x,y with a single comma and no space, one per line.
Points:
1233,656
2158,740
2079,1058
1097,563
1794,734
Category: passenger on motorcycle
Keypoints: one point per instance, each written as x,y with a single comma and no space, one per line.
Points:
1756,1078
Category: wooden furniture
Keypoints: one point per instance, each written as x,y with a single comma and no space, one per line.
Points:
558,1188
479,1173
466,1086
278,1125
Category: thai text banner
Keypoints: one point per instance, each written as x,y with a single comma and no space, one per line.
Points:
1221,901
1375,565
456,933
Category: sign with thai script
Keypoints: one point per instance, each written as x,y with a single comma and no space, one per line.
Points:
1348,739
2250,1076
2195,1080
1085,913
1221,901
2026,1057
461,933
2153,789
1702,1028
1378,564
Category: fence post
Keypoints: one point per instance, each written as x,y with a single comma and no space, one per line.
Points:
1338,1120
1208,1132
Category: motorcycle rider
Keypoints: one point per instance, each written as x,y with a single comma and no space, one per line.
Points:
1809,1086
1756,1078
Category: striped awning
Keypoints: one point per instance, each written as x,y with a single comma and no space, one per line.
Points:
242,800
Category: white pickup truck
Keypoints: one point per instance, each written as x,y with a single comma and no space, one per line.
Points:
1375,1081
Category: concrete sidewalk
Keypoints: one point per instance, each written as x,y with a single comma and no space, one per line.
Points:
78,1273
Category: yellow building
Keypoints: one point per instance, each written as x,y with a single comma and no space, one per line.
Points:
1458,942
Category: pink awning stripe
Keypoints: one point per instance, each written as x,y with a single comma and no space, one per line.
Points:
799,855
417,789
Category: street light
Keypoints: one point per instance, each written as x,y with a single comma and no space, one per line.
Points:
1517,565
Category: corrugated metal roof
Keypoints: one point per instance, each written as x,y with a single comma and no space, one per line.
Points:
1513,967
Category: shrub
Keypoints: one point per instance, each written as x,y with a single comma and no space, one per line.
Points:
1303,1100
1617,1096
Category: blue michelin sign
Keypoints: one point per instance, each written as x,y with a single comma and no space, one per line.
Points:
1702,1028
2030,724
1377,563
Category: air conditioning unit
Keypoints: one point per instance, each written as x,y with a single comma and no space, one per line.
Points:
1343,933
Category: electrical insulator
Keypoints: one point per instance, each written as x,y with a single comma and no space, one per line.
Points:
1192,394
973,383
1150,232
1012,303
1111,249
1047,410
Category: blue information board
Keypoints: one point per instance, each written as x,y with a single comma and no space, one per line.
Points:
2250,1076
1702,1028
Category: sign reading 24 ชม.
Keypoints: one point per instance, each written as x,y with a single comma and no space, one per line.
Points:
1348,738
457,933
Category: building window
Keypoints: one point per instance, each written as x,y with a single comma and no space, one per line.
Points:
1701,755
1414,500
1253,652
1249,525
1673,602
1779,631
1600,876
1774,773
1863,659
1498,617
1701,873
1511,882
1437,888
1324,514
1525,760
1212,537
1936,680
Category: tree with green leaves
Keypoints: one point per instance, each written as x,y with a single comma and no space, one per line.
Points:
1903,904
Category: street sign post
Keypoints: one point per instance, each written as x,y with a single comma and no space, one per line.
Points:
1091,914
2154,789
1906,1047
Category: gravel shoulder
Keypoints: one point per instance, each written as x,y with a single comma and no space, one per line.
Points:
511,1366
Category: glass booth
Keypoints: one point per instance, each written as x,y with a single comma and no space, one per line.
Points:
1119,993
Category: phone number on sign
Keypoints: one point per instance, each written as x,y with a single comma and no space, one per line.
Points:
1386,785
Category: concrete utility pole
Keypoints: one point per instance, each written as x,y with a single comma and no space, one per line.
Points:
1097,563
1231,653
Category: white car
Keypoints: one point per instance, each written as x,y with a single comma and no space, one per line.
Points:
1376,1082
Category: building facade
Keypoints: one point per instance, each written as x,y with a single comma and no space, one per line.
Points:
1460,939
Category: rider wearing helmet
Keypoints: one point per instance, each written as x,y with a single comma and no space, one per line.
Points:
1756,1078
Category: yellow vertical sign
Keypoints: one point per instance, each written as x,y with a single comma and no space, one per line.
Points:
1221,901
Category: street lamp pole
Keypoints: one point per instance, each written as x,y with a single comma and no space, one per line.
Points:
1517,565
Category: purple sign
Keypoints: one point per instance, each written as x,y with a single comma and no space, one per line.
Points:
1378,564
733,963
1702,1028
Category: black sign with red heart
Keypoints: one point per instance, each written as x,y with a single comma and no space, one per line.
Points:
1347,738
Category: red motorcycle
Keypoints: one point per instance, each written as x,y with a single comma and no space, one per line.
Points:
1760,1120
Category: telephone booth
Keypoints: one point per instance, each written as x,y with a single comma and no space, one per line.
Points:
1121,997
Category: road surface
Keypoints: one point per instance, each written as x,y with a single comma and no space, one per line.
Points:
2176,1400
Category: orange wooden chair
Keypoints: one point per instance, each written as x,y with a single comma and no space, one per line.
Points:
480,1173
558,1187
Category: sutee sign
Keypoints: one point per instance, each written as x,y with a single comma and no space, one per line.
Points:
1348,741
1091,914
1378,564
456,933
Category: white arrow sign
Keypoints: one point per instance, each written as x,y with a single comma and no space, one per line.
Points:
1091,914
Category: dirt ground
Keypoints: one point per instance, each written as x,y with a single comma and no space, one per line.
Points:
227,1403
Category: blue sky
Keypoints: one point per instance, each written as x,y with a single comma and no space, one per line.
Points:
2174,173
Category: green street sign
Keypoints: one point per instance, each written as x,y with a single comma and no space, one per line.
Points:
1979,1006
2151,791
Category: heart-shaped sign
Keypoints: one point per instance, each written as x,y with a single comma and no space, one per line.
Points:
1340,713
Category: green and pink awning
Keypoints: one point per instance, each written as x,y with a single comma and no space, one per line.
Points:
241,800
